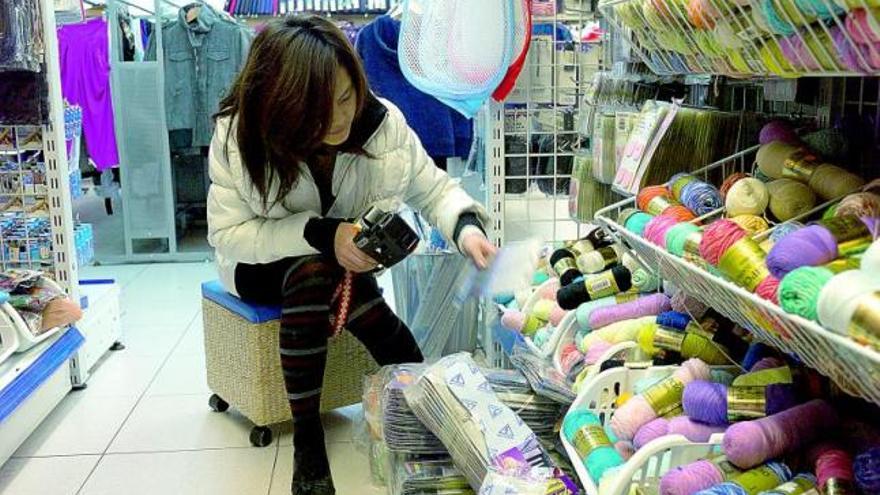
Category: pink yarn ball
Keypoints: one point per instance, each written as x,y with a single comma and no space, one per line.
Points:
778,130
861,204
655,230
693,430
513,320
556,315
690,478
751,443
549,290
717,238
596,351
768,289
653,304
569,357
637,411
858,25
831,462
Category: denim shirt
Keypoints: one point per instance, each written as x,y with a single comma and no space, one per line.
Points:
202,59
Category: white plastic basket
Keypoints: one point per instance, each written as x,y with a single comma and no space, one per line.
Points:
11,321
650,462
8,342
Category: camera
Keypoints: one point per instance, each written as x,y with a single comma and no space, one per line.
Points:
385,237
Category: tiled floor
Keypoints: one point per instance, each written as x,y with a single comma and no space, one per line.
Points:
143,425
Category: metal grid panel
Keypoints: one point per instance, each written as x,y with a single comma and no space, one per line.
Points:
746,39
532,138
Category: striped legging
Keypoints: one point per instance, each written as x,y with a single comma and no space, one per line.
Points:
306,286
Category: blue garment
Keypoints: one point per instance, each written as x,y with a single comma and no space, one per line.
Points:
558,30
443,131
202,59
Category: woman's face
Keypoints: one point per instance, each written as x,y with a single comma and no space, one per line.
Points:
344,106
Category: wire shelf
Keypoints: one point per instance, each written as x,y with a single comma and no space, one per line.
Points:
750,38
854,368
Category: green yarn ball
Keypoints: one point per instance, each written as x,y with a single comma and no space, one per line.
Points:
677,235
799,290
539,278
599,460
637,222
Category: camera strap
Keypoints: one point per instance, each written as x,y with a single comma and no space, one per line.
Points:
343,295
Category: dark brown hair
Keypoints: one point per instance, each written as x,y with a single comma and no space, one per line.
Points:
283,98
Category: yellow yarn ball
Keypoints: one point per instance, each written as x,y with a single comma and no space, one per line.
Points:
747,196
789,198
752,223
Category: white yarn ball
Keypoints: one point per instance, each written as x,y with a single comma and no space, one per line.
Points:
747,196
839,298
871,260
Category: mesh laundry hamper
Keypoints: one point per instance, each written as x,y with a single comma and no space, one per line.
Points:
244,366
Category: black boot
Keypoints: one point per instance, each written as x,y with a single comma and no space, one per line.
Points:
311,469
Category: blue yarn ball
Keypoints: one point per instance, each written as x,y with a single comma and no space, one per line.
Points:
673,319
867,470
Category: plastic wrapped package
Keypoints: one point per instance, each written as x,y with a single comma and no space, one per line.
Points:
537,482
419,475
21,35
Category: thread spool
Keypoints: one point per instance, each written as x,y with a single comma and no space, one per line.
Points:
818,244
866,468
849,304
751,443
659,400
789,198
653,304
599,260
726,245
747,196
778,130
696,476
754,480
654,339
717,404
870,262
608,283
802,484
751,223
585,433
834,468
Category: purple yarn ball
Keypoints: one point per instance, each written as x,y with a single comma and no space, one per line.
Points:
873,224
651,430
867,470
691,478
810,246
767,363
693,430
706,402
778,130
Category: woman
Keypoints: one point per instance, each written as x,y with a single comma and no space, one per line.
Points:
301,146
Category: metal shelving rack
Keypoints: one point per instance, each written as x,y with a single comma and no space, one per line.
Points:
62,262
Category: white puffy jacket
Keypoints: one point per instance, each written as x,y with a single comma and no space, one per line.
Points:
242,231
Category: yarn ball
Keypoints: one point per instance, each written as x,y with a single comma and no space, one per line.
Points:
693,430
768,289
596,351
783,229
767,477
752,223
706,402
655,199
600,459
866,468
638,411
810,246
748,196
679,213
799,290
701,197
831,462
871,259
599,260
839,298
677,235
583,312
691,478
771,158
830,143
653,304
656,230
558,260
616,280
569,357
831,181
637,222
729,182
778,130
651,430
674,319
861,204
790,198
751,443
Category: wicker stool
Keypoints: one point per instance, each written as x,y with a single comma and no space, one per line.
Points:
244,365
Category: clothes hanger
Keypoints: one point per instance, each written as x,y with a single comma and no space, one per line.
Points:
396,12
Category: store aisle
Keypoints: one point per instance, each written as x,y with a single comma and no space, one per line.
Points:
143,425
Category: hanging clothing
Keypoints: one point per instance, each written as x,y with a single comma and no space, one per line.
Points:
202,59
443,131
20,35
85,81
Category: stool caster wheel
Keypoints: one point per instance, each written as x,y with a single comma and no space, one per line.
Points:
217,404
261,436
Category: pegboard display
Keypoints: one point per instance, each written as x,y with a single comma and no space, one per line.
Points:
533,137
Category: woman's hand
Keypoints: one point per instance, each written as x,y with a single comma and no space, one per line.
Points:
347,254
478,248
